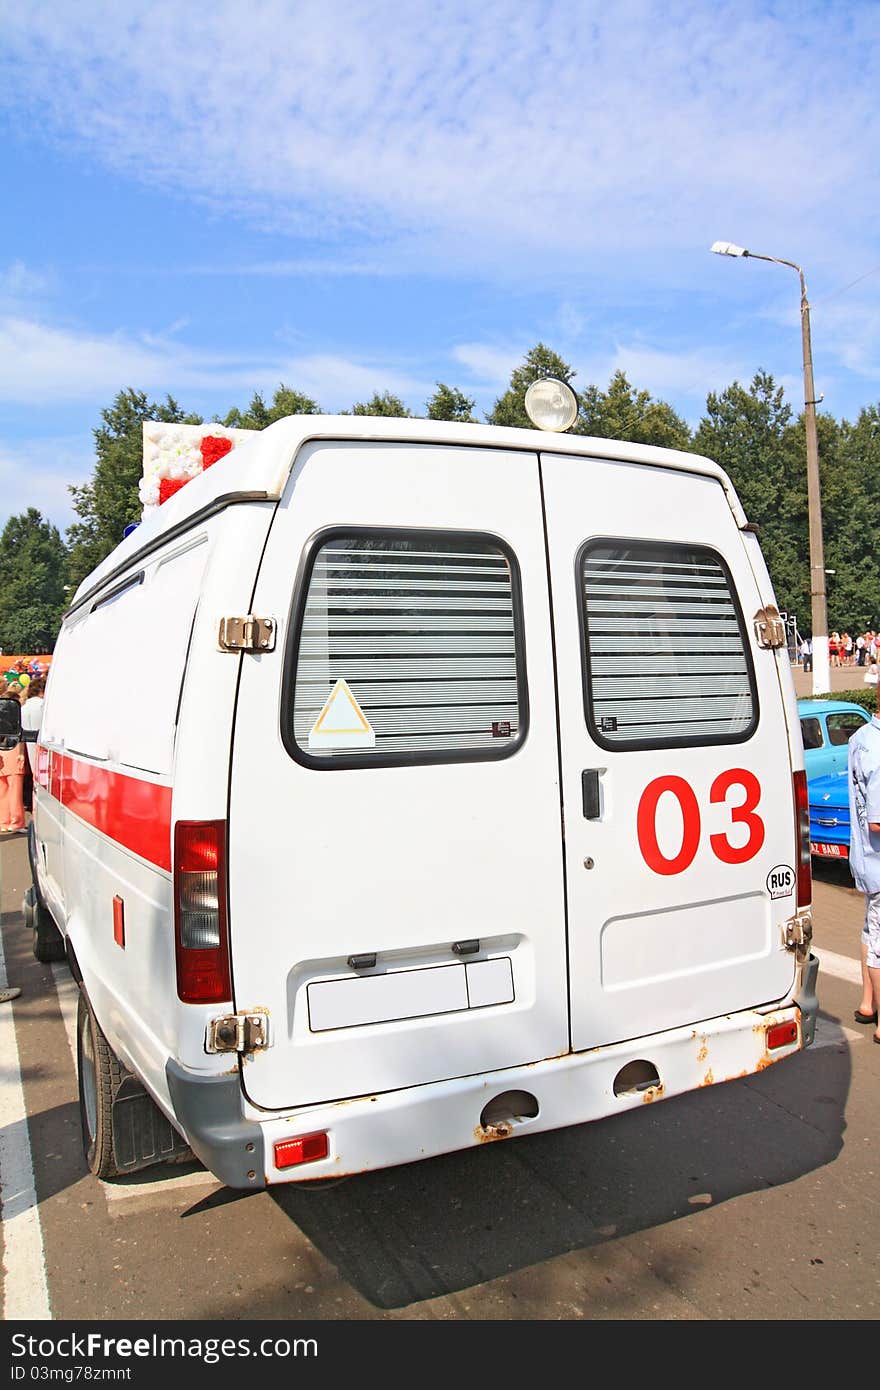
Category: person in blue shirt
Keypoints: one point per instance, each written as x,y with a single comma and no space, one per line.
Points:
864,857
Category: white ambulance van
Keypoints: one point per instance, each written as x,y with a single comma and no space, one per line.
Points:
405,786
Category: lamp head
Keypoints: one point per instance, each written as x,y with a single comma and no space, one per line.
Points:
551,404
727,248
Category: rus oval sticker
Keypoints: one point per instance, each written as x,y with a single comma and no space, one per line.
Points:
781,881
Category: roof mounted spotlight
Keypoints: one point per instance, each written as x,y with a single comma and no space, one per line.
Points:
551,404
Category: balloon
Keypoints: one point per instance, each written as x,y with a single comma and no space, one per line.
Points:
24,679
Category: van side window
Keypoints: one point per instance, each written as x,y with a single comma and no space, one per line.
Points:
141,626
666,660
423,630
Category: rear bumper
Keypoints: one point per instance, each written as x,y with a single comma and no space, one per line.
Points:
236,1141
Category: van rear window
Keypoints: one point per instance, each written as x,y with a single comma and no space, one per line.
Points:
406,648
666,659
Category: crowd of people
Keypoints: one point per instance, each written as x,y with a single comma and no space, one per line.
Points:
19,675
846,650
862,651
17,764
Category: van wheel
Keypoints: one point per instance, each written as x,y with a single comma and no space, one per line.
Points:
48,941
99,1073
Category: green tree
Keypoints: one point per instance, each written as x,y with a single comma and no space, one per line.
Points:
32,579
624,413
286,401
386,404
849,465
539,362
109,501
750,434
447,403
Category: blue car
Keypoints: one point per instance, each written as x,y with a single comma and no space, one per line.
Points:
826,728
829,815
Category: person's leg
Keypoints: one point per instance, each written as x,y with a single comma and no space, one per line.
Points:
866,1004
16,802
872,955
4,802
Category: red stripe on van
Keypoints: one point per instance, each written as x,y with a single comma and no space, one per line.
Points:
133,812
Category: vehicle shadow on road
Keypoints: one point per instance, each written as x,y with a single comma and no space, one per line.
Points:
445,1225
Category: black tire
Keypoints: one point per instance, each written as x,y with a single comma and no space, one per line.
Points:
99,1073
48,941
49,944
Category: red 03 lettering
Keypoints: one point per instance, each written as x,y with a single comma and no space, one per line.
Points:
742,812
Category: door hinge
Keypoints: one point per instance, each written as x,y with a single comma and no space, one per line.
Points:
250,634
238,1033
799,932
769,627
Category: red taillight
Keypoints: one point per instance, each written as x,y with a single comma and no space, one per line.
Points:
200,912
802,831
782,1035
289,1152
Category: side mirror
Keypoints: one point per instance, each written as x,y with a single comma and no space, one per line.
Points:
10,722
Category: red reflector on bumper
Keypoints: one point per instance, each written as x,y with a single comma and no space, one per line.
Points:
289,1152
782,1035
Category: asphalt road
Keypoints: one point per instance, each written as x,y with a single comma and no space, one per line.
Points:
756,1199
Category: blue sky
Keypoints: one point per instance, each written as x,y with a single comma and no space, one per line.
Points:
354,195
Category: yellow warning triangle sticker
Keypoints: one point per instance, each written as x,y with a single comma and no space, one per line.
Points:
342,723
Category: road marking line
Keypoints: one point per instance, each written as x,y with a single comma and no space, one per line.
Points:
25,1290
844,967
831,1034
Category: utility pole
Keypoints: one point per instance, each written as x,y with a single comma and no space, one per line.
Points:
818,605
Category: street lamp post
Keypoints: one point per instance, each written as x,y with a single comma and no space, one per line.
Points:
821,667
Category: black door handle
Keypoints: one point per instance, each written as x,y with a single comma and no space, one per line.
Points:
590,785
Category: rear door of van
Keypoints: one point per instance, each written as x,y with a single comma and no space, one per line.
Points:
395,841
677,780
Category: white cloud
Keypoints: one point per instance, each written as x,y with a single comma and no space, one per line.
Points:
40,362
38,474
43,364
490,367
338,382
852,333
19,283
588,131
666,374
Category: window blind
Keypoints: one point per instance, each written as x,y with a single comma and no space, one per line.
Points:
422,631
666,661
